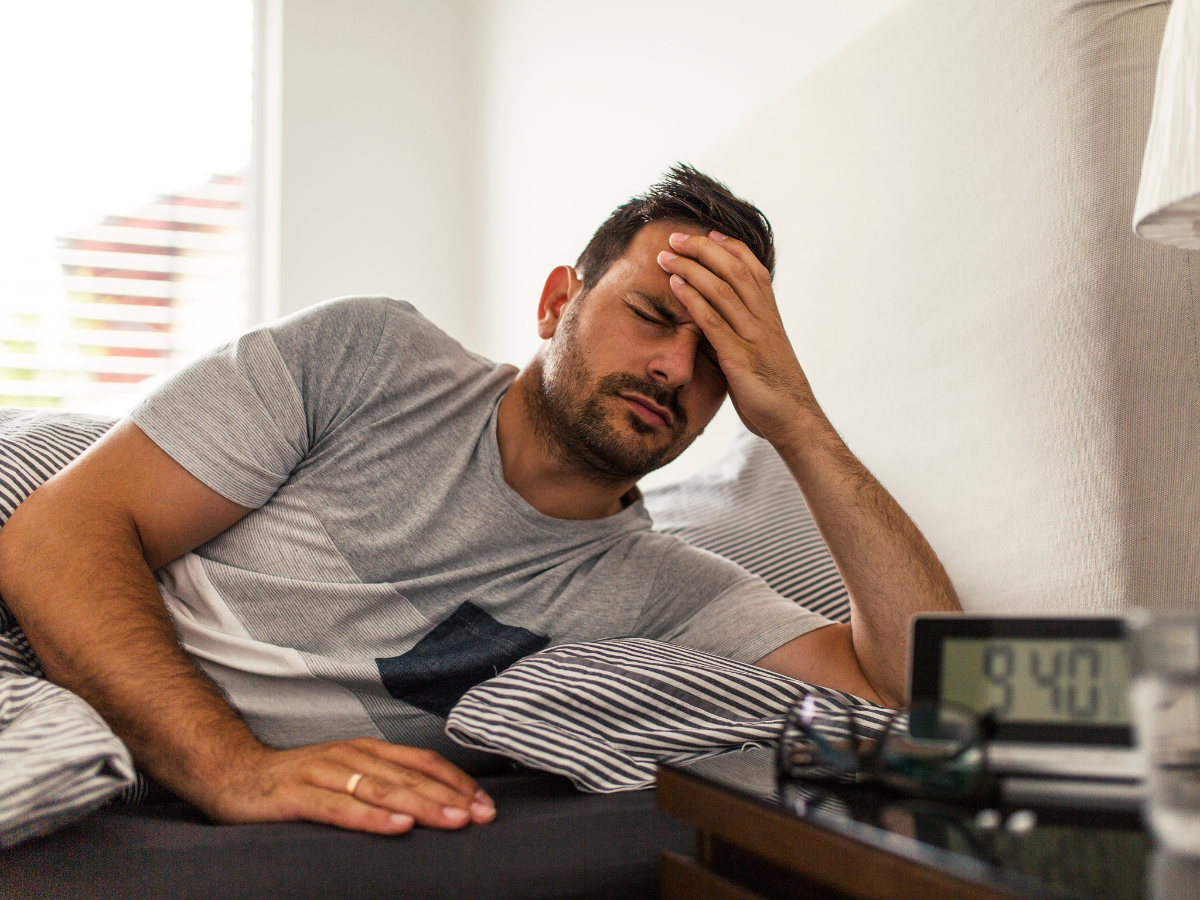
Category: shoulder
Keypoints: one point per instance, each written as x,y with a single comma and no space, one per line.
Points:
336,323
369,340
368,314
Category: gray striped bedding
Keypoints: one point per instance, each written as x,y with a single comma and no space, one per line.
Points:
58,759
604,714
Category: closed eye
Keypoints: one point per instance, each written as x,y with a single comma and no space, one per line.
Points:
705,350
651,319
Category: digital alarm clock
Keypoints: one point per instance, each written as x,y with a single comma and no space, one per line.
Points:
1044,681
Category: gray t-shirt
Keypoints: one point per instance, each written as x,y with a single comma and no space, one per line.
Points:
387,565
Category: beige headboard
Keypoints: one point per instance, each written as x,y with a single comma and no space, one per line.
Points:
952,195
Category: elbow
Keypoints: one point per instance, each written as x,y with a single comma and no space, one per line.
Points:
16,548
24,541
44,540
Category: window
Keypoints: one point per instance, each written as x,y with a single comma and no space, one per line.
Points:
123,238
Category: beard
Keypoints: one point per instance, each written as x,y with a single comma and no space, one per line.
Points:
571,415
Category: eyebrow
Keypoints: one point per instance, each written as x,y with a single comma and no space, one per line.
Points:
664,309
660,305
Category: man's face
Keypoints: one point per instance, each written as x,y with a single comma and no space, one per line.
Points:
628,380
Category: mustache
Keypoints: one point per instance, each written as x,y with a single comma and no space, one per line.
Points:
665,397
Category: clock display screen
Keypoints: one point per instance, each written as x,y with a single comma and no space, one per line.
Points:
1038,680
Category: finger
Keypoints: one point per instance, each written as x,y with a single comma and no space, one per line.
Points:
331,808
481,807
733,246
397,790
718,331
405,787
416,795
423,772
739,249
433,764
733,262
717,292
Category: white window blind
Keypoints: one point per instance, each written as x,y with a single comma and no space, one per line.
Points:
123,250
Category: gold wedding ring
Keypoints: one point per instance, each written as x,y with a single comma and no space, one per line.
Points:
353,782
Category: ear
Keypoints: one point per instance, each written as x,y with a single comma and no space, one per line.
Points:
562,286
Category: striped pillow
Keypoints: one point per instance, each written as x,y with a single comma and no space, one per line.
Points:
58,758
604,714
747,508
34,444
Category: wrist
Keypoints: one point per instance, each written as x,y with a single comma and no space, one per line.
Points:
212,765
802,430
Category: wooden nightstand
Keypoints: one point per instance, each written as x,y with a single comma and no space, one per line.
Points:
859,844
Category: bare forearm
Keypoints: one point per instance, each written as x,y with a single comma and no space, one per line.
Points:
888,566
78,583
890,570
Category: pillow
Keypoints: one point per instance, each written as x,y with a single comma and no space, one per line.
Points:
604,714
747,508
58,758
35,444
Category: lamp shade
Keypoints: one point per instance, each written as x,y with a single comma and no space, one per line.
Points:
1168,200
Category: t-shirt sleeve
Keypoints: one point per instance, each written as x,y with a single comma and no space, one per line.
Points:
243,417
704,601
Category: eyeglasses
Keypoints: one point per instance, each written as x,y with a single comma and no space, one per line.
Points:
937,751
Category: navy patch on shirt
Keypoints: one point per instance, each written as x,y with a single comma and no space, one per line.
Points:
459,653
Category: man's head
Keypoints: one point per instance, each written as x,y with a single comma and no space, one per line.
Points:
686,197
627,379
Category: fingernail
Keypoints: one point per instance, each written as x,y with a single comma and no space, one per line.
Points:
455,815
402,818
677,281
482,797
716,235
679,237
483,810
666,254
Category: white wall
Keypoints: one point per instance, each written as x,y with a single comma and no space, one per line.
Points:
369,154
587,104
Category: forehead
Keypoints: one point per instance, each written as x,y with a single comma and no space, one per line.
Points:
654,237
638,272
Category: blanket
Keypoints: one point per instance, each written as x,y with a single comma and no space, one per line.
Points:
58,759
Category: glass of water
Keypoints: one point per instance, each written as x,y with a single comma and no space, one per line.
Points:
1165,652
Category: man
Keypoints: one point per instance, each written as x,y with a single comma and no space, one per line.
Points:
352,520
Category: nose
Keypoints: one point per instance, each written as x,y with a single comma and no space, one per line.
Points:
674,359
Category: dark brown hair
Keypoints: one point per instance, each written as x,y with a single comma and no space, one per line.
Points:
686,196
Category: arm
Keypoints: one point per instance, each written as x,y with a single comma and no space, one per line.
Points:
75,567
889,568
